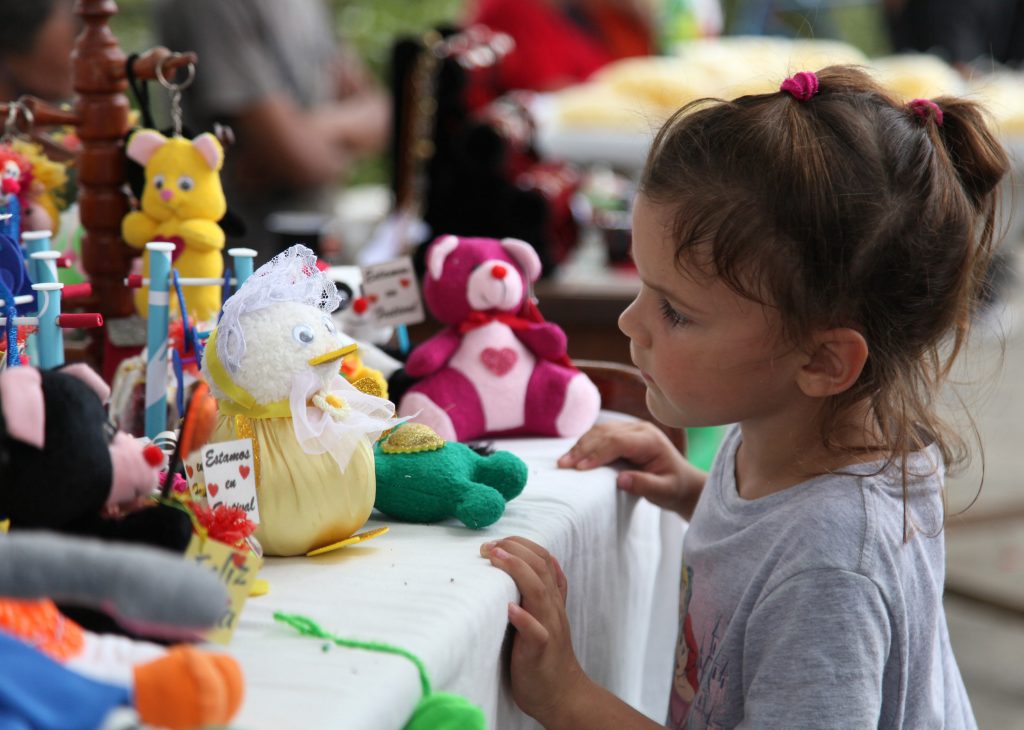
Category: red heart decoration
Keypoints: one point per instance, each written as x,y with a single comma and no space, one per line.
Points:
244,471
212,489
499,361
238,558
188,470
404,283
373,298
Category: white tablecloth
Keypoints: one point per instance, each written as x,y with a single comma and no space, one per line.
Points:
425,588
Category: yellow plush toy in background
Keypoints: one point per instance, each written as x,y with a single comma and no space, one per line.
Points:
46,190
181,203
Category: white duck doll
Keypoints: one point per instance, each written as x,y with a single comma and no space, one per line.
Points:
272,363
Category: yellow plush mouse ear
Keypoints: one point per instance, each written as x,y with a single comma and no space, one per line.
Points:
143,144
210,149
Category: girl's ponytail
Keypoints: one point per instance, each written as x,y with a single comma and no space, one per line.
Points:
976,155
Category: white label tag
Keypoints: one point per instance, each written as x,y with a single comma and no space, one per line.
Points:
230,476
393,293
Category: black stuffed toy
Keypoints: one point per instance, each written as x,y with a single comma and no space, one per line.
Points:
64,467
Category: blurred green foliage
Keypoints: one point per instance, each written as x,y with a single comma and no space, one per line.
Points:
369,25
858,22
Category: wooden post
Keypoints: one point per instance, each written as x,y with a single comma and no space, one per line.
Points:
102,111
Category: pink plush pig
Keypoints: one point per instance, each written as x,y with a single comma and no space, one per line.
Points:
498,369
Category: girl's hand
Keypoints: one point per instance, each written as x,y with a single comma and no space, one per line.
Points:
546,677
663,476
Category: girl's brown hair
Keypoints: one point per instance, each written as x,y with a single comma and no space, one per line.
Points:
849,209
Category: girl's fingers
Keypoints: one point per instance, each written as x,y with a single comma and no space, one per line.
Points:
538,563
595,448
531,585
531,631
541,561
636,441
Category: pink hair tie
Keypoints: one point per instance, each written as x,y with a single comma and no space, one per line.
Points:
926,108
801,86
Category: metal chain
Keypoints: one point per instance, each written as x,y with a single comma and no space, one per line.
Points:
175,89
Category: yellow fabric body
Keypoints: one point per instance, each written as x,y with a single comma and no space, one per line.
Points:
305,501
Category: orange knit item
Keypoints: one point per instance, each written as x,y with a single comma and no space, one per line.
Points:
41,625
188,688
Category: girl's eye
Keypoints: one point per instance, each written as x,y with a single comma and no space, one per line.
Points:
329,325
675,319
185,183
158,182
303,334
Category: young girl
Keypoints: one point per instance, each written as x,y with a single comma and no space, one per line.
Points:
809,261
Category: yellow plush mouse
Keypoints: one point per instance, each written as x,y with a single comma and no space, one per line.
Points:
181,203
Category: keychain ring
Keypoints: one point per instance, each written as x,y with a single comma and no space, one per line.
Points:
11,122
190,71
26,113
16,109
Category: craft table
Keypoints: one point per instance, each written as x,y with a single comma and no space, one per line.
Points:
425,588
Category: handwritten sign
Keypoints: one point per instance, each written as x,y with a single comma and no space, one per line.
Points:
394,291
230,476
236,569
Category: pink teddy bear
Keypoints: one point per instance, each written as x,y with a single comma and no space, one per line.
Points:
498,369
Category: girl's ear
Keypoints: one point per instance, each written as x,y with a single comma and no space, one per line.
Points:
836,359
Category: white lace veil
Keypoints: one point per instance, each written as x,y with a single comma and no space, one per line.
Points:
291,276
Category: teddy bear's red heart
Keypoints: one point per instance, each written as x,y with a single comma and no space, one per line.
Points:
499,361
244,471
212,489
404,282
188,470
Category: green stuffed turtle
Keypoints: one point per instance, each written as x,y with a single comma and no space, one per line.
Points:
423,478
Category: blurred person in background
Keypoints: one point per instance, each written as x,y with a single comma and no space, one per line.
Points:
958,31
36,40
301,105
562,42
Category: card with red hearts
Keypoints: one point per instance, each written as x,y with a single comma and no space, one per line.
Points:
393,293
230,476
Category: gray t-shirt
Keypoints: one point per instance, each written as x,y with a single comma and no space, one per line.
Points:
806,608
249,50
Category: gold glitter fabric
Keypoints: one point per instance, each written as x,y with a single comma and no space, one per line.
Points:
305,500
244,429
412,438
370,387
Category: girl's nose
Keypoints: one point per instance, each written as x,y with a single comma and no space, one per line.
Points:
631,324
498,271
166,194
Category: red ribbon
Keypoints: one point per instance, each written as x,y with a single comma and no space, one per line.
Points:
479,319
